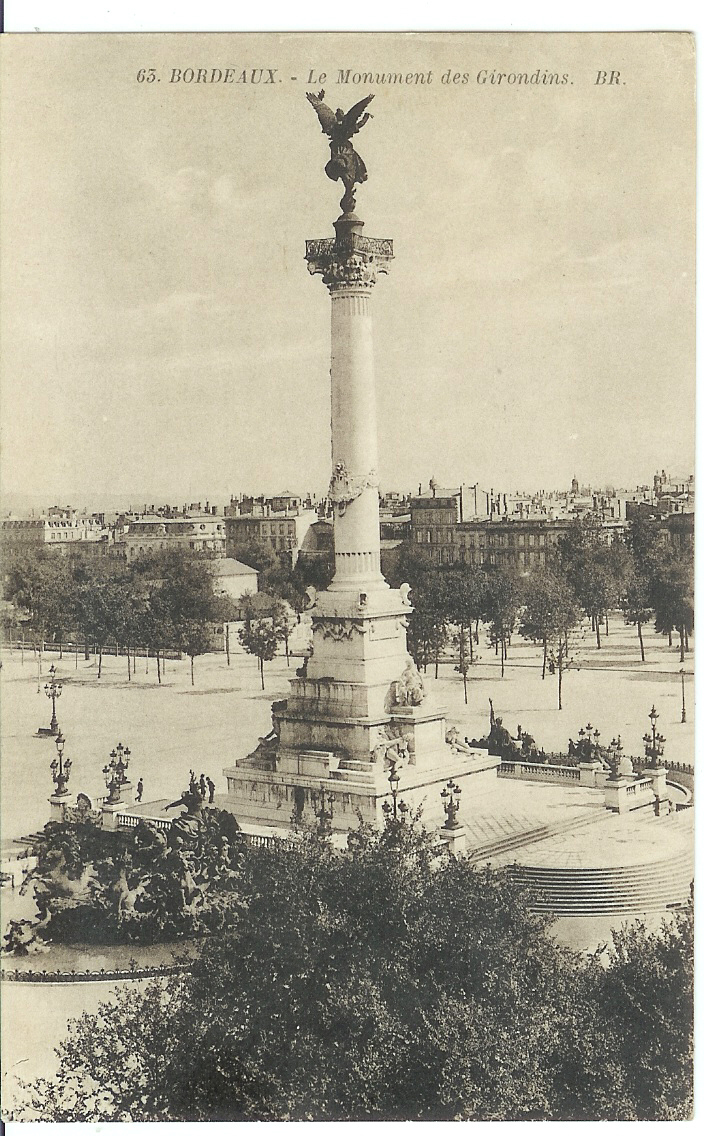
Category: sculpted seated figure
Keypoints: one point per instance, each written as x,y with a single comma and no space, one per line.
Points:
409,689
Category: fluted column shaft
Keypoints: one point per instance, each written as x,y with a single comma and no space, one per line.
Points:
350,265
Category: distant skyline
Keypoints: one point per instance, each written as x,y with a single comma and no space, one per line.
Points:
163,340
27,503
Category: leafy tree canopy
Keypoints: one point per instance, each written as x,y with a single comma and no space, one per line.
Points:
385,984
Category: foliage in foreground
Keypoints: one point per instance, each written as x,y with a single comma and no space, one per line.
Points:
384,984
92,885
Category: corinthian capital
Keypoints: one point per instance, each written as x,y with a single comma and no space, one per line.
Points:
350,261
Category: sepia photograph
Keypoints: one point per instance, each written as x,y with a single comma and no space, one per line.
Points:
347,533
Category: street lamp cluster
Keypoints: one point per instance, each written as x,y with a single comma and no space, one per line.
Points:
588,746
116,773
60,767
614,753
391,809
451,803
53,689
323,809
654,742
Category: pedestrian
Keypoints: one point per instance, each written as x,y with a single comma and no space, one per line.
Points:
140,790
201,785
211,790
192,784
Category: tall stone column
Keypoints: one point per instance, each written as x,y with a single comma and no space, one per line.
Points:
357,708
350,264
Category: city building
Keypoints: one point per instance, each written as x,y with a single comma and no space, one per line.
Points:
232,579
472,526
141,535
287,532
59,527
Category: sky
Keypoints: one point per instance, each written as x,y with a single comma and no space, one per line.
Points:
163,340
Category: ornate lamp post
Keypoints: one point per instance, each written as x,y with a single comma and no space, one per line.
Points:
451,803
115,773
589,748
654,742
614,754
121,756
60,768
684,708
53,690
396,807
323,809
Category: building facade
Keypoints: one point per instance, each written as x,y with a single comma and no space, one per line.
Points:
62,528
144,535
516,540
287,533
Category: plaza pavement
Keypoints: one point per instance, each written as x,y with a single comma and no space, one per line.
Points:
174,727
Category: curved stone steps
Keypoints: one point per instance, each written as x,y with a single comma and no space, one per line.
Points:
638,888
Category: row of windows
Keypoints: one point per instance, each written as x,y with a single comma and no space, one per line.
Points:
484,539
265,529
290,528
480,556
281,542
439,517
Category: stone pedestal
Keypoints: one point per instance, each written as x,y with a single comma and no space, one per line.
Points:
615,794
361,708
588,771
661,792
109,814
57,806
454,839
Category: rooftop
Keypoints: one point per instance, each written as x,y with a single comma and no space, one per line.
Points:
228,566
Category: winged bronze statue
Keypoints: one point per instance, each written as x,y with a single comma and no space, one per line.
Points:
345,164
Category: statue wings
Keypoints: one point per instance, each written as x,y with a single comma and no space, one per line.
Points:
354,120
326,116
351,123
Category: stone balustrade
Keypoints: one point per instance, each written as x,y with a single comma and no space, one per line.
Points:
531,771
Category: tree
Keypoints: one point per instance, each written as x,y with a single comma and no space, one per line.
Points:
314,571
636,604
182,603
672,594
40,584
383,983
427,625
100,611
412,564
503,602
194,639
549,615
262,633
466,598
636,1051
590,569
276,577
227,611
157,631
644,539
128,620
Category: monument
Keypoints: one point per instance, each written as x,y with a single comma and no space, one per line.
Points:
358,709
